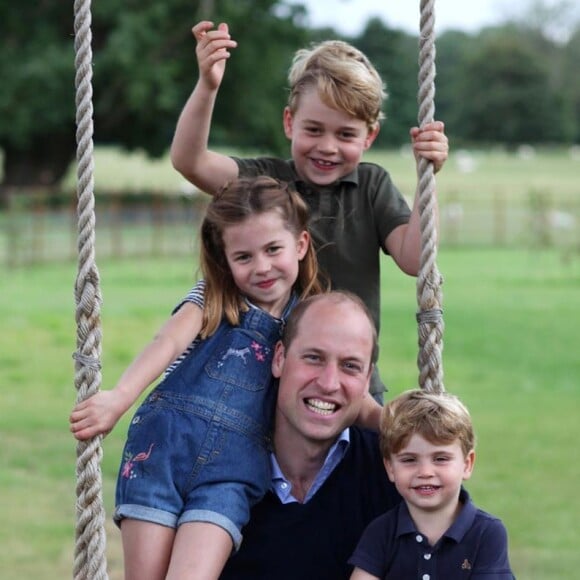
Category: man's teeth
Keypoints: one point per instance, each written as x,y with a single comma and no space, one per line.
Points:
320,407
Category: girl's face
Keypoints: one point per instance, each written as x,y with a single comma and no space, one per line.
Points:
327,144
263,257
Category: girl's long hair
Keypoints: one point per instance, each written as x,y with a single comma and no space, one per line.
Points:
236,202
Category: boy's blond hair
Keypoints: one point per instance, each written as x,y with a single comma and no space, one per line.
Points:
344,78
440,418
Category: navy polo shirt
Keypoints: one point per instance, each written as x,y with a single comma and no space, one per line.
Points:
475,546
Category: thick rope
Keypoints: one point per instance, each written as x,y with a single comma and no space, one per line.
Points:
429,296
90,559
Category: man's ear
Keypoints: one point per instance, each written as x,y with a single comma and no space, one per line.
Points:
278,360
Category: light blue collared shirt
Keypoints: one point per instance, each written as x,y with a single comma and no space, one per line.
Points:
283,488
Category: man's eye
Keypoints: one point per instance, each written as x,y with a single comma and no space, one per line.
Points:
352,367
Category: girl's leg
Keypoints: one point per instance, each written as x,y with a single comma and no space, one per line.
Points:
200,552
146,549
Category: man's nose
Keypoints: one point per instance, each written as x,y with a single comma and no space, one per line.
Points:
328,378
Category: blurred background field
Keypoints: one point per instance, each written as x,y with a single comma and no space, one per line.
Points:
526,198
511,304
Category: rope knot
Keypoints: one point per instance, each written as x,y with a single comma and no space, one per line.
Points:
87,361
432,316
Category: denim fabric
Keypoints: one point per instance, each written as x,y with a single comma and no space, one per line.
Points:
197,448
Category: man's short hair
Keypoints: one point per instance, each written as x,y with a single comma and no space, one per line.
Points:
337,297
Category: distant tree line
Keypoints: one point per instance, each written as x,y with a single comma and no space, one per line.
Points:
509,84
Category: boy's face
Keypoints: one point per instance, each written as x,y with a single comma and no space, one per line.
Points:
327,144
428,476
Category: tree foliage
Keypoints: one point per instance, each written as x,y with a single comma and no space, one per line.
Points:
505,94
144,68
510,84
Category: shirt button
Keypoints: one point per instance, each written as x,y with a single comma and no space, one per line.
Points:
427,556
419,538
283,485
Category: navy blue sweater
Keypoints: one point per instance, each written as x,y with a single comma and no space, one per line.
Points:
314,541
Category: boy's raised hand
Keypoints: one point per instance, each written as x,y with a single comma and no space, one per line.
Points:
431,143
212,51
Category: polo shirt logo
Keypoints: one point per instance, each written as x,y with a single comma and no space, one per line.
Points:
466,565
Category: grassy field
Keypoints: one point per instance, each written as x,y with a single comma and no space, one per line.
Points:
511,353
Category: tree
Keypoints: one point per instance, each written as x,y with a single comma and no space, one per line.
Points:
571,85
453,47
504,93
144,68
395,55
37,132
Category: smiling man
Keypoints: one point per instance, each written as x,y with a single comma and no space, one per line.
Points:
328,480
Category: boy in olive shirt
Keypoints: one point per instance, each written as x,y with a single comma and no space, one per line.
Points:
332,117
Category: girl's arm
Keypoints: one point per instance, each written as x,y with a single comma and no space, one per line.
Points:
358,574
98,414
189,150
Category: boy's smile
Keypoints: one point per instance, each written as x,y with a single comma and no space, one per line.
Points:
428,475
327,144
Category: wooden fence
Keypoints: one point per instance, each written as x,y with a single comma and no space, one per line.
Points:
38,227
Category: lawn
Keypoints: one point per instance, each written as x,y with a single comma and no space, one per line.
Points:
511,353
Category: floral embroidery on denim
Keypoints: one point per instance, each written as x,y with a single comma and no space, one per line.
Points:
130,460
260,353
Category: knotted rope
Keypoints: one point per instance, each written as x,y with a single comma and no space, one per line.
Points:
429,295
90,560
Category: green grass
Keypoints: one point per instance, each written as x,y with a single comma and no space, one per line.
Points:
511,353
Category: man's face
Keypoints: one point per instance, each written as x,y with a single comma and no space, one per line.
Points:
324,373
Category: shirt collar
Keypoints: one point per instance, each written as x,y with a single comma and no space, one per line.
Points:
304,187
458,529
282,488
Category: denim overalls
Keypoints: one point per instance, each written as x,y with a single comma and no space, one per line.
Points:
197,448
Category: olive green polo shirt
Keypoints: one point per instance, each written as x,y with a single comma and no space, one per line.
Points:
349,222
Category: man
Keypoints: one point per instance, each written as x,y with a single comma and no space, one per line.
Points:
328,479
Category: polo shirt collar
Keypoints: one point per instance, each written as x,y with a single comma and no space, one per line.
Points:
303,186
458,529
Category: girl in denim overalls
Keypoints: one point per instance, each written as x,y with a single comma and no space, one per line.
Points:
196,457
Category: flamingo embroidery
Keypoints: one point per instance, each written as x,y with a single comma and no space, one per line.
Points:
130,461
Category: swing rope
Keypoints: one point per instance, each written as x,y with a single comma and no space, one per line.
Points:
89,559
429,280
